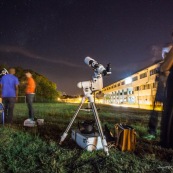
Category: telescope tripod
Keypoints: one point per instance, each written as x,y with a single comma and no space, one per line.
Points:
94,109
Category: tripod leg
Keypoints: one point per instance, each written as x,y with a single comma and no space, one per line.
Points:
71,122
103,139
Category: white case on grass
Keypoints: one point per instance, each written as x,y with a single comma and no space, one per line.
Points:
29,123
89,142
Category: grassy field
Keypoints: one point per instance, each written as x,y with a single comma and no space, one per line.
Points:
37,150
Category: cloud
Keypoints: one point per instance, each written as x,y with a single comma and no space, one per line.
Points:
28,54
155,52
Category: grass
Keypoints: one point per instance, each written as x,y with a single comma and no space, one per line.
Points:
25,150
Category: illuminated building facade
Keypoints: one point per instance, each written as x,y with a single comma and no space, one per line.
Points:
137,89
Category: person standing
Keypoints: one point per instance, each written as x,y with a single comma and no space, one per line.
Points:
164,95
9,92
30,94
166,137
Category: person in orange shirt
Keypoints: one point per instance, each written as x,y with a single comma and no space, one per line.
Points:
30,94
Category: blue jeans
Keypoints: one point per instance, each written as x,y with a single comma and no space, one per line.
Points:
29,100
8,108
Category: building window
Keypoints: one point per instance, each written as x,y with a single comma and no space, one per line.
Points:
135,78
125,93
122,83
137,88
142,87
153,71
147,86
155,85
118,84
143,75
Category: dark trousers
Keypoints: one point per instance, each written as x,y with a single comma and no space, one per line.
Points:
153,122
160,97
29,100
166,136
8,108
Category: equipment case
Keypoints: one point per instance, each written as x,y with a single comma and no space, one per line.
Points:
89,142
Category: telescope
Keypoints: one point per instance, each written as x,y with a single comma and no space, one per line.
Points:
96,84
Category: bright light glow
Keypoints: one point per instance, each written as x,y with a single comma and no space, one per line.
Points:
128,80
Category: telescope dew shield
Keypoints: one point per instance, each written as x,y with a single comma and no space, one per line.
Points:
98,68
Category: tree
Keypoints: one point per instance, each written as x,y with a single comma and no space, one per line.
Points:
45,89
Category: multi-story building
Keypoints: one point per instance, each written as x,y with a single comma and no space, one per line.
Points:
137,89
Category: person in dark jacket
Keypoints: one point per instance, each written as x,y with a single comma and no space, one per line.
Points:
166,137
163,94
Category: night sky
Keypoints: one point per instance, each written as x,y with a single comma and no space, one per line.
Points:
53,37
